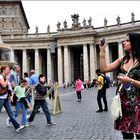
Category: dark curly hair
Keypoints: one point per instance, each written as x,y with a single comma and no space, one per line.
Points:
135,44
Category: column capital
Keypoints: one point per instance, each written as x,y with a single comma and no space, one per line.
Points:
92,44
13,49
36,49
120,42
59,46
48,48
84,45
65,46
24,49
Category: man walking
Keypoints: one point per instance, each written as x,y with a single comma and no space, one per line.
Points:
101,91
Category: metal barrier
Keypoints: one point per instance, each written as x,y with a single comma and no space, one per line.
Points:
56,103
31,91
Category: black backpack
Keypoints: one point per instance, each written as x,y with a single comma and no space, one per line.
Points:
106,81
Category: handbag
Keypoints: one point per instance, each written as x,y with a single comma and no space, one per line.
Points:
82,86
3,90
116,108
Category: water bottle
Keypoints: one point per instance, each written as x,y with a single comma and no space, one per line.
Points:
127,86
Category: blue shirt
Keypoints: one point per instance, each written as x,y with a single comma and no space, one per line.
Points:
33,79
15,77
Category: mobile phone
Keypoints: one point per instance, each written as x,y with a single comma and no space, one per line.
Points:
102,41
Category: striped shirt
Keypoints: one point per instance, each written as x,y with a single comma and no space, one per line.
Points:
41,91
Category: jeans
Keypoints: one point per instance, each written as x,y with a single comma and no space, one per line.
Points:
79,94
6,103
28,97
22,106
102,94
44,106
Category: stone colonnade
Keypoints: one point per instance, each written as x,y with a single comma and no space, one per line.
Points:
37,61
64,61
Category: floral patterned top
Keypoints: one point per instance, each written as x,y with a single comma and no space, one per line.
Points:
130,100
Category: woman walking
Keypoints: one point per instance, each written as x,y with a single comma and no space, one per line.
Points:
78,85
4,96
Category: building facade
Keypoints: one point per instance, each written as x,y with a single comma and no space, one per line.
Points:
65,54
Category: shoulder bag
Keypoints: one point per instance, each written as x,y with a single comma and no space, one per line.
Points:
3,90
116,109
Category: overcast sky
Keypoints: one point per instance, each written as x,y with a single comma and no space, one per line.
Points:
42,13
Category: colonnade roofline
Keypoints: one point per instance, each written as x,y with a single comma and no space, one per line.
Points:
100,31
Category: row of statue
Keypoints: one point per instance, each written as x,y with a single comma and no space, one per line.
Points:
75,19
48,29
76,24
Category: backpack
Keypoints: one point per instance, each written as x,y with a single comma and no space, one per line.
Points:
107,81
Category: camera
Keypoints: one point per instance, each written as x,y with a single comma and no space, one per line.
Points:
102,41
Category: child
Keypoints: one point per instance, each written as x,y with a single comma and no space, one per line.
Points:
40,100
21,102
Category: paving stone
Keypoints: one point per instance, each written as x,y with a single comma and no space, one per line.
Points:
78,120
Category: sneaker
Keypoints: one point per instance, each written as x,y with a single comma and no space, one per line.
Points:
27,117
29,124
20,128
79,100
8,122
38,111
98,111
26,125
105,110
51,123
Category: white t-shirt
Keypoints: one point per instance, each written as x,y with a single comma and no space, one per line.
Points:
5,95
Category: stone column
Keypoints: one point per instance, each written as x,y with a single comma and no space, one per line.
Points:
85,61
24,61
72,66
66,65
49,65
120,50
37,70
59,66
93,62
12,58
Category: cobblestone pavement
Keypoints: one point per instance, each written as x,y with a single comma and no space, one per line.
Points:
78,120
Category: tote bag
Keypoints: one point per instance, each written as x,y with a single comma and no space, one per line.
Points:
82,86
116,108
